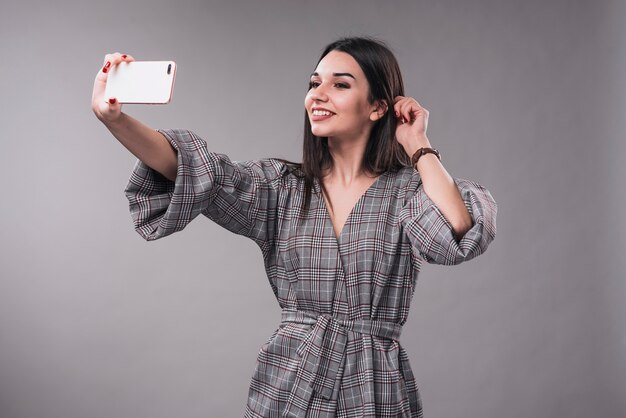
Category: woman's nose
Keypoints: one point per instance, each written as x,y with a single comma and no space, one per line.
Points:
319,93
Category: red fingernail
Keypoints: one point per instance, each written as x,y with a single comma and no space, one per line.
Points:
124,56
106,67
112,100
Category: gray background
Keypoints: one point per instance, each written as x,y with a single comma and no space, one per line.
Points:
525,97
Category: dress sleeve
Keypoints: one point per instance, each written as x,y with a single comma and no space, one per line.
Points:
431,234
240,196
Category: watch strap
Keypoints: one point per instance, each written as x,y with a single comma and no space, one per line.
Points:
422,151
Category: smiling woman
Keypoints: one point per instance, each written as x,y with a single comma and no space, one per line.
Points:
343,234
340,99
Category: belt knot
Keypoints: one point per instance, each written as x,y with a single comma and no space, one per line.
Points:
323,353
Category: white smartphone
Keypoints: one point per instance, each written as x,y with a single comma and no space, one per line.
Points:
145,82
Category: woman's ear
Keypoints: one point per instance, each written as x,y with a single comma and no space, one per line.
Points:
379,110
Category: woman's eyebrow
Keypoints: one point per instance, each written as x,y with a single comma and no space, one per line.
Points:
316,74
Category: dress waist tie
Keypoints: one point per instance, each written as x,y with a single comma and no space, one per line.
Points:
323,353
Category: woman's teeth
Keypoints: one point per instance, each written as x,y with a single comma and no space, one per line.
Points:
321,113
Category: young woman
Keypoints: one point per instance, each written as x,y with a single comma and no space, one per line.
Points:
343,234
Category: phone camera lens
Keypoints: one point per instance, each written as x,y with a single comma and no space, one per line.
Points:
169,69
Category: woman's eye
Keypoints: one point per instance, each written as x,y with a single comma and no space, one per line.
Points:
313,84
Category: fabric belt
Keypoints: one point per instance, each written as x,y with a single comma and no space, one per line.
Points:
323,353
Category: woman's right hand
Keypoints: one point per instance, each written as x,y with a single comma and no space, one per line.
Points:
107,109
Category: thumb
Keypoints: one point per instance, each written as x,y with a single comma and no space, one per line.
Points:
113,103
110,108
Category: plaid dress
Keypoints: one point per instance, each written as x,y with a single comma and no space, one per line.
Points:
344,300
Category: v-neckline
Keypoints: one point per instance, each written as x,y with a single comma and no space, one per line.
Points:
356,204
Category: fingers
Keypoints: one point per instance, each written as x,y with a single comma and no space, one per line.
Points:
401,104
111,60
107,107
407,109
399,108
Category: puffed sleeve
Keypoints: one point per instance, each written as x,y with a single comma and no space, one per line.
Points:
431,234
240,196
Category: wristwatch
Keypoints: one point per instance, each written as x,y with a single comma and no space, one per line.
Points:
422,151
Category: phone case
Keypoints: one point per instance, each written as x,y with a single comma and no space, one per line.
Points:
146,82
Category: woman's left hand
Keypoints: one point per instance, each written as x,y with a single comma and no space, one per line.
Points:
412,123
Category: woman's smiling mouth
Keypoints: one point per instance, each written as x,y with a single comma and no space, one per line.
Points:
320,114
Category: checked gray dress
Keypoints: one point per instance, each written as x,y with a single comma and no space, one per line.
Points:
344,299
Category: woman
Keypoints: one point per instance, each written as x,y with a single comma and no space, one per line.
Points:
343,234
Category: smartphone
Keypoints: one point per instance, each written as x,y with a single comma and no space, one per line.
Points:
145,82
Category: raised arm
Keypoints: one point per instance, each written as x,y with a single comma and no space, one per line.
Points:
438,184
447,220
145,143
176,178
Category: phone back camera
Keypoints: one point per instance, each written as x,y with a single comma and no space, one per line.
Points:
169,69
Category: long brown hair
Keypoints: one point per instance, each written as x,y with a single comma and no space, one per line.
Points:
382,153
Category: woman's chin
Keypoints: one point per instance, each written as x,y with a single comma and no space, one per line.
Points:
319,132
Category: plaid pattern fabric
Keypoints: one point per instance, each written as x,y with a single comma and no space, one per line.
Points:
336,352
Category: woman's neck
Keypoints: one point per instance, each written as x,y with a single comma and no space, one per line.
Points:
347,160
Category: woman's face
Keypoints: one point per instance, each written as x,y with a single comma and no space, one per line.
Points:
337,101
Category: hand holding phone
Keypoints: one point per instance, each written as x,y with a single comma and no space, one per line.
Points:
144,82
